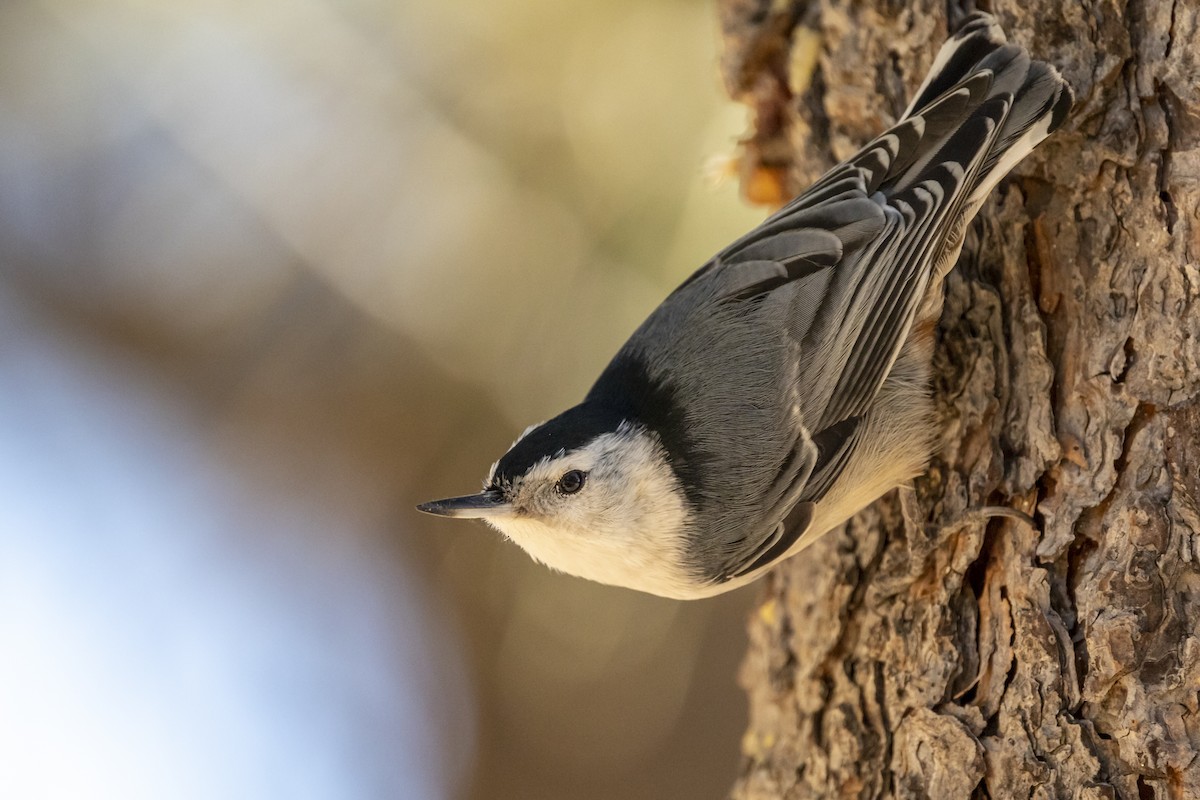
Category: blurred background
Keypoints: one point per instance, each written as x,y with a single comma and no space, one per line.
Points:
270,274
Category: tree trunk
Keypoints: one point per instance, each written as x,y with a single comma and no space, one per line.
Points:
927,651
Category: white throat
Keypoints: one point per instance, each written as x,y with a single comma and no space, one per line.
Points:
625,528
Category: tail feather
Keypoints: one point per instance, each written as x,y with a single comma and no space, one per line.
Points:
978,37
1025,101
984,104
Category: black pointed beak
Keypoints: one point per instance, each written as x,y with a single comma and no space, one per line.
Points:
488,503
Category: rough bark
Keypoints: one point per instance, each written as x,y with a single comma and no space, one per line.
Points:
926,651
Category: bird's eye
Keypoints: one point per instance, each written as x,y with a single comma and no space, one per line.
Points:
571,482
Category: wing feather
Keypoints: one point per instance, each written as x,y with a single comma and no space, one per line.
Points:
832,283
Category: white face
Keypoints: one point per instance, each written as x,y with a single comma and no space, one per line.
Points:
624,526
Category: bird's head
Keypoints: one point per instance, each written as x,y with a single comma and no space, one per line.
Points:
592,494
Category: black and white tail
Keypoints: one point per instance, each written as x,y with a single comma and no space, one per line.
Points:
978,77
984,106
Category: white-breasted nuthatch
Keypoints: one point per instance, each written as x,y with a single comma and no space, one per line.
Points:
784,385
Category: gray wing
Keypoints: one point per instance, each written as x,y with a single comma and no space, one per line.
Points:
843,271
844,267
842,274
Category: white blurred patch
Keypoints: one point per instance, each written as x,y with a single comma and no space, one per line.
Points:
174,627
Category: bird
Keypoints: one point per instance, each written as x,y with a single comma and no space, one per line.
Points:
785,385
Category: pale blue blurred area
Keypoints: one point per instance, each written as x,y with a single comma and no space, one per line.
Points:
270,274
151,653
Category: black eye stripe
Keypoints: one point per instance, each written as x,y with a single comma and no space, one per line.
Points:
571,482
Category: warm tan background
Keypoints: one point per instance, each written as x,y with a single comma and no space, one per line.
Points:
271,273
